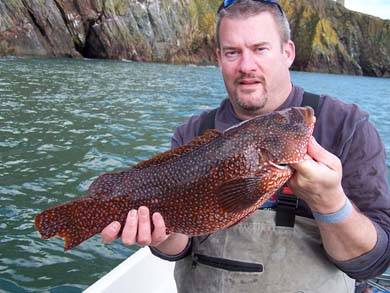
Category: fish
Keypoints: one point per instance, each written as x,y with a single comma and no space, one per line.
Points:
212,183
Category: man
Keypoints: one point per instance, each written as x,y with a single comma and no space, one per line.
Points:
346,165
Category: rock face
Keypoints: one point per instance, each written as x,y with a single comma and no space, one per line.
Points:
328,37
148,30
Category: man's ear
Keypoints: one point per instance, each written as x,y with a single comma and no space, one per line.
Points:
289,52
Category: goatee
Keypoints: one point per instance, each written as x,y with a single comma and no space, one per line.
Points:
249,106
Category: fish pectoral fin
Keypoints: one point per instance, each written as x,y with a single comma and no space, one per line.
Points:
239,193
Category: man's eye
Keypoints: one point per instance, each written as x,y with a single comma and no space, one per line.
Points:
231,53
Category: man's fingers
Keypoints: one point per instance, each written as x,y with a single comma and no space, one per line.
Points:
137,229
144,230
304,167
321,155
159,232
129,232
110,233
316,157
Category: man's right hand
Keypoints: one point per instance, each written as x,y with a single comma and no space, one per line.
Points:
137,229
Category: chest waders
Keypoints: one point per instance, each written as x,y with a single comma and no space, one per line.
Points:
271,251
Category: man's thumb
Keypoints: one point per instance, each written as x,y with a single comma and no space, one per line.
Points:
321,155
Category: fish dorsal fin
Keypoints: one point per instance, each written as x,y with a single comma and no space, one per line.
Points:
239,194
105,184
196,143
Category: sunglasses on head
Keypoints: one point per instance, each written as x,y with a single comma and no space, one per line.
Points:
226,3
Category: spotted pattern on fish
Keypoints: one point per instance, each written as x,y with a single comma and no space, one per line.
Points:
211,183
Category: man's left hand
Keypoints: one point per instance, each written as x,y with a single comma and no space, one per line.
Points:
317,180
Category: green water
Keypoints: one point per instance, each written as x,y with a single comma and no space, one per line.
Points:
63,122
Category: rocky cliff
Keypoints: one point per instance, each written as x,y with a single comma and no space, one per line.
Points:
331,38
328,37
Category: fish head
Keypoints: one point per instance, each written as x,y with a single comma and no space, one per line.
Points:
287,134
272,141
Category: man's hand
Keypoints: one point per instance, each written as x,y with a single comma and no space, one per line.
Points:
137,229
317,180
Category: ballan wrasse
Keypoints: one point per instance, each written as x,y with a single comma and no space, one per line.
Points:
211,183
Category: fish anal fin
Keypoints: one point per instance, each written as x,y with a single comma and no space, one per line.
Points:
238,194
167,156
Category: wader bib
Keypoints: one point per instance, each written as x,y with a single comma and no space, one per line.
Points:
269,252
258,256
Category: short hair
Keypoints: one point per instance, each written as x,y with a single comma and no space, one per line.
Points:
247,8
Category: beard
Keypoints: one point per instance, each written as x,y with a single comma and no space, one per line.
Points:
250,100
249,106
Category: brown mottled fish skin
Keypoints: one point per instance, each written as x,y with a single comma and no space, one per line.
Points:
211,183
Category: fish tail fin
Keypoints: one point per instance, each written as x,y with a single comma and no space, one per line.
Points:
75,221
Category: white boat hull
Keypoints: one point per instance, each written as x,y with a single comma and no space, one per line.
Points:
141,272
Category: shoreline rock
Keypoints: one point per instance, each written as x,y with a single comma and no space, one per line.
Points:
328,37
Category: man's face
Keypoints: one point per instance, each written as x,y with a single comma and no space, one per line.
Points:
254,64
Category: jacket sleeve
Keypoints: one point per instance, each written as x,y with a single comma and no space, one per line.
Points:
365,182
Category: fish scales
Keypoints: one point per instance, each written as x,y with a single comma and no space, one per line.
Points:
211,183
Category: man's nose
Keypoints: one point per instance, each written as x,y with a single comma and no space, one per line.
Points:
248,62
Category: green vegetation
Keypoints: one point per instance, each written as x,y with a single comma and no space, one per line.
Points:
325,35
203,19
203,15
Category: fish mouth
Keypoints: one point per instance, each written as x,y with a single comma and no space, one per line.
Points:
280,166
309,116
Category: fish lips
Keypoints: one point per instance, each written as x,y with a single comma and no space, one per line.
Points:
280,166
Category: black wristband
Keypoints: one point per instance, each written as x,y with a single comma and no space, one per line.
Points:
186,251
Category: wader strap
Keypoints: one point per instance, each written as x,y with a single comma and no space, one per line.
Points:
208,122
311,100
287,203
286,206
